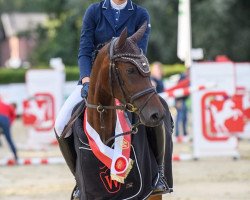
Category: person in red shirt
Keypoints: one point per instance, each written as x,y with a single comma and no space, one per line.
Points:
7,116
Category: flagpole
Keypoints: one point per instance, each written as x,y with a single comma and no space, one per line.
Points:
184,44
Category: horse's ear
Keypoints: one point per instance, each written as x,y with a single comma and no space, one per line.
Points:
136,37
122,39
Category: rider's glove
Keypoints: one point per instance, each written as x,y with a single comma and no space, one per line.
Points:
84,90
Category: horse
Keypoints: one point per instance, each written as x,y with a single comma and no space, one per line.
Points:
120,73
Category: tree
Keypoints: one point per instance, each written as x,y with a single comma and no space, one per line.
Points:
21,6
64,29
222,27
163,39
60,38
218,26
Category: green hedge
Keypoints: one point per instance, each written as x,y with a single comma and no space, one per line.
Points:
18,75
169,70
72,73
12,75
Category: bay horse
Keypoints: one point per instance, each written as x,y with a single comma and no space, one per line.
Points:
120,71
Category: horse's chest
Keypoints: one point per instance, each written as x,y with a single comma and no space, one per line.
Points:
94,177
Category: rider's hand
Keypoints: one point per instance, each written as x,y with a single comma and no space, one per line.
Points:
84,90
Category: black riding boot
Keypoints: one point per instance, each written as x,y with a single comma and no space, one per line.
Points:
67,148
157,140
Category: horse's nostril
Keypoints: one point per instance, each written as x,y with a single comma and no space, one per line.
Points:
155,117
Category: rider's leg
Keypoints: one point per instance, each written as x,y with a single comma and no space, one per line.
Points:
157,140
64,114
66,144
160,139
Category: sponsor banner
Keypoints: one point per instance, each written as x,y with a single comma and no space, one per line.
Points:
215,110
242,74
14,93
39,112
17,93
45,92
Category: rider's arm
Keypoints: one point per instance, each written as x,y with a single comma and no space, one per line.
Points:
86,44
143,43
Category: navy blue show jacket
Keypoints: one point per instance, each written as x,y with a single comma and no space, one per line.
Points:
99,27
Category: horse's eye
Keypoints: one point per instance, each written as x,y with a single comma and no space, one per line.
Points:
130,70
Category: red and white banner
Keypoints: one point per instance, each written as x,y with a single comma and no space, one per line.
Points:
39,112
242,81
45,91
216,114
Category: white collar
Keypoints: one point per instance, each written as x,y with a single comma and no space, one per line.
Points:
118,7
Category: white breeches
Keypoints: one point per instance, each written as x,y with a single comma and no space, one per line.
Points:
64,114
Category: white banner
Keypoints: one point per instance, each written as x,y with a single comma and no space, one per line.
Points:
17,93
14,93
242,98
45,91
213,110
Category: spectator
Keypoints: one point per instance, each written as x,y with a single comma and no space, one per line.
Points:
1,131
181,108
7,116
156,76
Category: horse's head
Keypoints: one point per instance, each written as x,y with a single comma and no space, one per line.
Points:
129,78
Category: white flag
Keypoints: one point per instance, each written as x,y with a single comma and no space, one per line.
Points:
184,32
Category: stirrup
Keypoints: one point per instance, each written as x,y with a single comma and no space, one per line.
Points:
161,187
75,193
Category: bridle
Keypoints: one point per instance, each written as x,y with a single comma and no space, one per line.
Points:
128,100
113,70
114,76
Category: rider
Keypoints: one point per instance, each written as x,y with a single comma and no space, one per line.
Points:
101,22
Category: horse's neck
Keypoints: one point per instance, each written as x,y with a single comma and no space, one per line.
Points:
106,119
